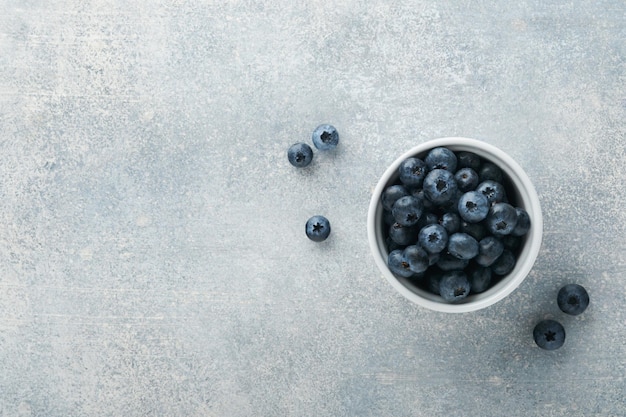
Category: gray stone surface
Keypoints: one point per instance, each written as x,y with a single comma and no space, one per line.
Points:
152,254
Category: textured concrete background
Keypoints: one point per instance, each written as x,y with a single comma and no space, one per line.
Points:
152,254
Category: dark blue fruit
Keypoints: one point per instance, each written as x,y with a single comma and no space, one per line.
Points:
473,206
448,262
489,250
419,193
573,299
494,191
511,242
480,279
451,222
462,246
523,222
407,210
502,219
441,158
549,334
426,219
403,235
317,228
325,137
412,172
398,264
300,155
391,194
454,286
417,258
440,186
468,160
433,238
475,230
504,264
434,279
490,171
466,179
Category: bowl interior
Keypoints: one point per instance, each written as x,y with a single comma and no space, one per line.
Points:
520,192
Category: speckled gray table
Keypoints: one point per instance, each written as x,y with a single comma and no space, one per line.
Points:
152,254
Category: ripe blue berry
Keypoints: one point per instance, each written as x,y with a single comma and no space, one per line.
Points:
448,262
325,137
407,210
412,172
433,238
468,160
440,186
391,194
317,228
489,250
523,222
480,279
473,206
573,299
441,158
549,334
475,230
403,235
417,258
502,219
494,191
454,286
300,155
398,264
504,264
490,171
466,179
462,246
451,222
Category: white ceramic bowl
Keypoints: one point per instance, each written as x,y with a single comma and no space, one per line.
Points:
524,195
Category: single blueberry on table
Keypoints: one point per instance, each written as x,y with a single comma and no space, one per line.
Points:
489,250
549,334
502,219
403,235
480,279
504,264
448,262
391,194
473,206
440,186
417,258
451,222
468,160
300,155
412,172
398,264
573,299
407,210
494,191
325,137
523,222
490,171
441,158
433,238
466,179
462,246
454,286
317,228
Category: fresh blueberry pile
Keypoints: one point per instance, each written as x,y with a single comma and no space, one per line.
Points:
452,228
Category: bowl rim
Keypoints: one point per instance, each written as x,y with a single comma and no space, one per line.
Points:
528,198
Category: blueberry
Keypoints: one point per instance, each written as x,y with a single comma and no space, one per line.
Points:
419,193
434,279
451,222
468,160
441,158
325,137
391,245
462,246
504,264
412,172
433,238
475,230
440,186
388,217
448,262
317,228
403,235
426,219
454,286
391,194
480,279
549,334
494,191
523,222
417,258
398,264
511,242
573,299
433,258
489,250
490,171
466,179
300,155
502,219
473,206
407,210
